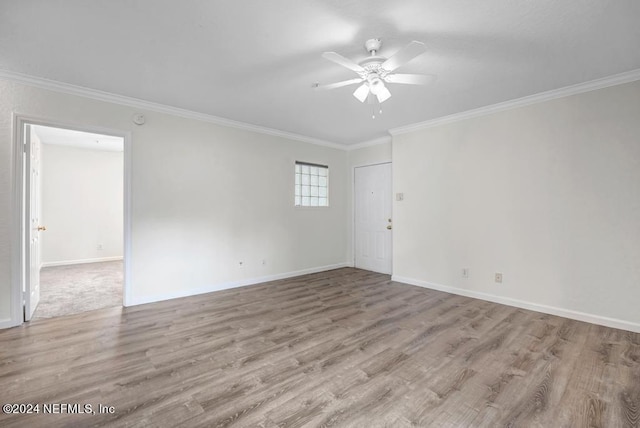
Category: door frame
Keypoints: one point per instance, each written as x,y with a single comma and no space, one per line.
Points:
19,248
353,208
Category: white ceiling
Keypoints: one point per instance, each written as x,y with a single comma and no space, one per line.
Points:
85,140
255,61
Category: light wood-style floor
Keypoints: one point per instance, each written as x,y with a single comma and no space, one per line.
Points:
340,348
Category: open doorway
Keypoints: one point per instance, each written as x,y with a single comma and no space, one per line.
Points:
81,206
73,188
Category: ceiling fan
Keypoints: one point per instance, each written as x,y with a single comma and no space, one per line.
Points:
374,71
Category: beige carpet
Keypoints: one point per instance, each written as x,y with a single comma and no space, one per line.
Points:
66,290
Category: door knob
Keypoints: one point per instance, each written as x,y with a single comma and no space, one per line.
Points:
389,227
41,228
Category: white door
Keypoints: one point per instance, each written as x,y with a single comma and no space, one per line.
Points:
373,218
34,228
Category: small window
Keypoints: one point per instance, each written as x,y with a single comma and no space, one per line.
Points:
312,185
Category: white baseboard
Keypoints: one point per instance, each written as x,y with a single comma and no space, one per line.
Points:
551,310
81,261
232,284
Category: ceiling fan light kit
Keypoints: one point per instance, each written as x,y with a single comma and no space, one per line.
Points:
374,71
361,93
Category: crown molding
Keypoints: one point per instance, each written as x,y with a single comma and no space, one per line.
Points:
616,79
375,142
98,95
54,85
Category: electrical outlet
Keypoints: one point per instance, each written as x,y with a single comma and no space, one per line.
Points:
499,277
100,246
241,264
465,272
399,197
264,262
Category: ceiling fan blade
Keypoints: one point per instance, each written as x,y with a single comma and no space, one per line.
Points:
383,94
362,92
410,79
339,84
345,62
404,55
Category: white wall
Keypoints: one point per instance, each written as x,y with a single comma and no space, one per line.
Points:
547,194
368,155
204,197
82,198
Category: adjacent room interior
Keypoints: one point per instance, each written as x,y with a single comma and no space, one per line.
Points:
312,213
81,210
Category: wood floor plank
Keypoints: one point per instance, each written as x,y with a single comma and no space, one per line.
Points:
340,348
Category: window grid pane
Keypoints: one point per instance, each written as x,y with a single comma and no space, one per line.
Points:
311,185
